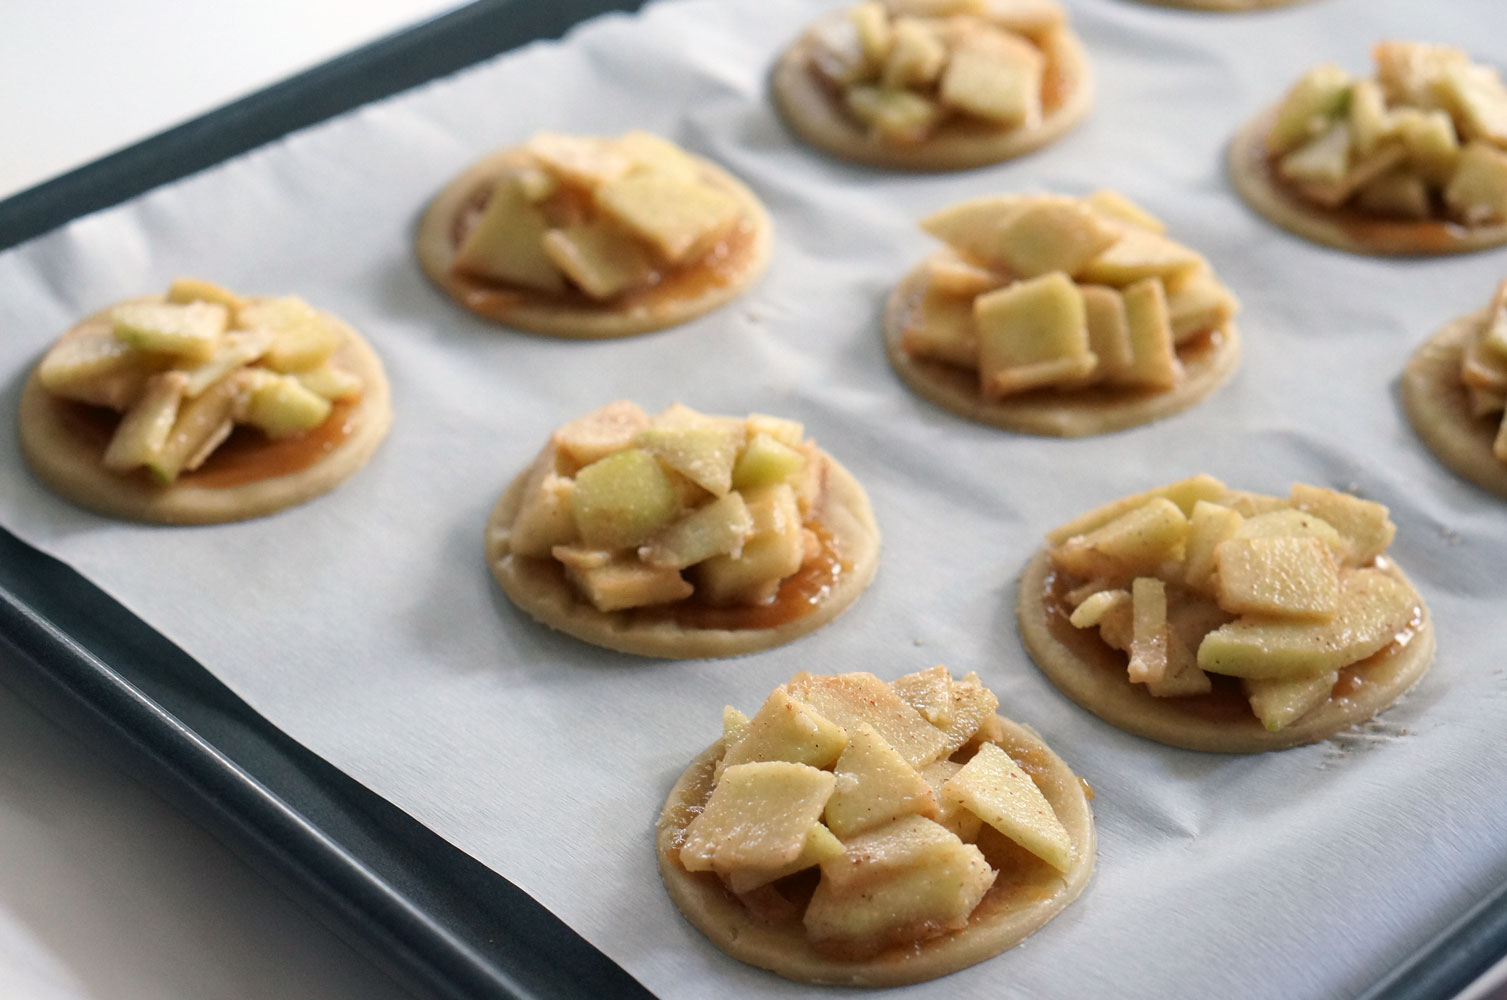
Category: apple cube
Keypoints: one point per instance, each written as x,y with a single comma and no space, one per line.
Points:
775,550
1197,303
1367,116
850,700
786,728
973,227
1148,636
1210,524
680,219
1113,204
759,815
1280,702
1322,160
1184,494
506,243
599,258
941,328
188,332
621,500
1139,254
1373,609
600,433
901,883
1433,148
902,116
142,432
1136,543
718,529
545,518
1320,96
1409,72
279,405
1000,83
1283,577
994,788
1053,234
1476,100
622,582
1477,193
875,786
1032,333
821,845
302,338
703,449
916,55
1362,524
1154,363
764,461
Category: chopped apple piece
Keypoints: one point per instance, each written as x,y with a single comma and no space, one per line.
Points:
1112,203
1053,234
1409,72
280,407
898,115
837,52
545,518
202,424
821,845
934,8
1399,194
1198,303
93,366
1136,543
1369,122
302,338
186,290
850,700
1032,333
1182,678
734,726
1284,577
703,449
1138,254
958,280
621,500
759,815
1477,193
681,219
330,382
998,82
774,551
1322,160
625,583
1363,524
974,227
1315,100
236,350
1280,702
141,433
904,882
1374,609
599,258
1148,637
875,36
1091,611
1433,148
765,461
584,161
942,329
1294,523
959,708
790,432
786,728
1154,363
994,788
718,529
601,432
506,243
1184,494
1477,101
190,332
1108,330
916,55
1362,171
1210,524
875,786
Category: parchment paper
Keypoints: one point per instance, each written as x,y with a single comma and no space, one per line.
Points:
366,624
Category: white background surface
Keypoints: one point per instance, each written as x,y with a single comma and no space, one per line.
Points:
826,284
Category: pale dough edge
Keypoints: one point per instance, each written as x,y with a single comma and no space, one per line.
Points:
807,110
784,951
1435,403
71,468
435,254
1093,675
540,591
955,390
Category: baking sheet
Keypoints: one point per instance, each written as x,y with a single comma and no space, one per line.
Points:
366,624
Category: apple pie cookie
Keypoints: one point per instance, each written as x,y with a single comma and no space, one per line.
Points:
682,534
203,406
1214,619
1058,315
935,84
580,236
1455,392
1411,161
859,833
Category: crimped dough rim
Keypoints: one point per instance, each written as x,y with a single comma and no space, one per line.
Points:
71,468
1253,181
1093,675
1060,414
539,587
585,321
808,110
784,950
1437,407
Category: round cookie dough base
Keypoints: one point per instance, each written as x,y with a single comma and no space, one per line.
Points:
998,923
580,318
958,145
539,586
1341,229
1093,675
1439,410
1094,410
71,467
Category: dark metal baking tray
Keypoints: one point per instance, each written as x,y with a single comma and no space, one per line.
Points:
440,922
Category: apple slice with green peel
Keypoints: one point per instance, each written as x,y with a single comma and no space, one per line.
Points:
203,424
280,407
1477,193
875,786
621,500
1279,703
998,81
941,328
1032,333
545,518
679,218
916,55
1148,630
302,338
702,449
237,350
1210,524
1114,205
764,461
624,582
141,433
1053,234
1320,96
994,788
904,882
599,258
1136,543
1374,609
1281,577
186,290
1153,355
1197,303
506,243
718,529
1139,254
821,845
974,227
851,700
1184,494
1362,524
188,332
776,549
601,432
786,728
759,815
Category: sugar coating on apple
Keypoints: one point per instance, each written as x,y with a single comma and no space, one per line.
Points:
852,819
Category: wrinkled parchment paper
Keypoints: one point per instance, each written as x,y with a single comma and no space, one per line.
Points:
366,624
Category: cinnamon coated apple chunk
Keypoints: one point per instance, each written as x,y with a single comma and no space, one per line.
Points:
1060,315
858,832
683,534
588,236
1216,619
